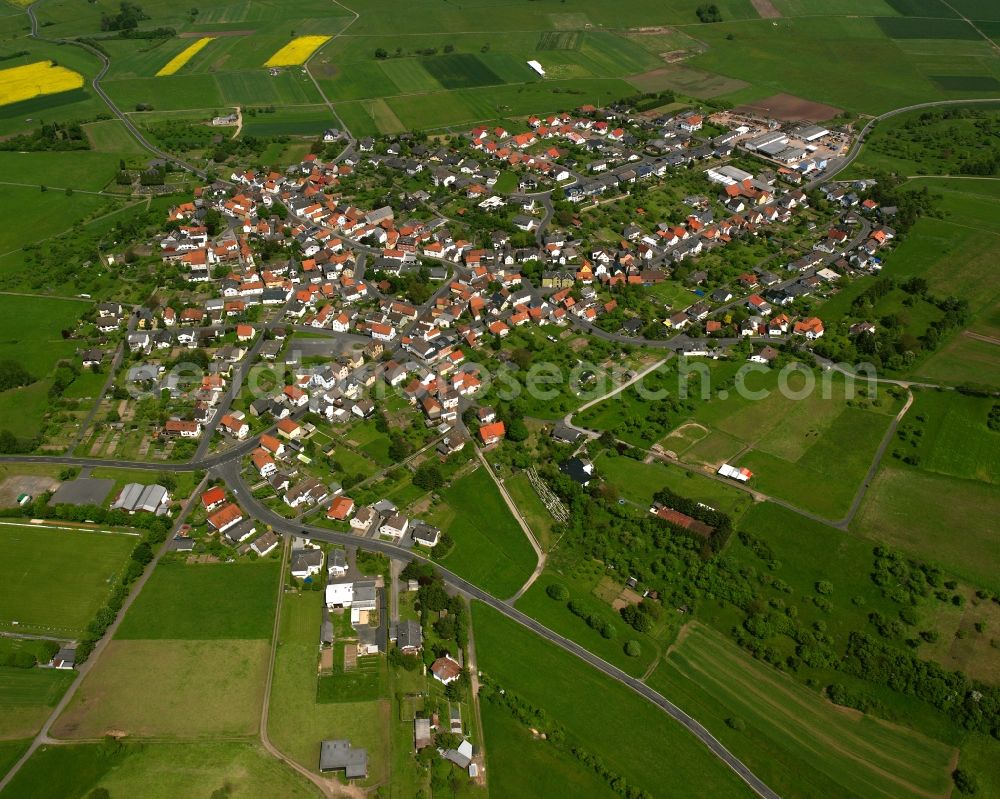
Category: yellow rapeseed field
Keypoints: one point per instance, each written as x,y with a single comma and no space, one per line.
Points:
33,80
296,51
184,56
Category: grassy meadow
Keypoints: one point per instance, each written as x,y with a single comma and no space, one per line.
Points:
205,602
490,548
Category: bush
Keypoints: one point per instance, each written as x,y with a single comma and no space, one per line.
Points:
737,724
632,648
965,782
558,592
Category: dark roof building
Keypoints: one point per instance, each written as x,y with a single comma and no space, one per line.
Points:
336,755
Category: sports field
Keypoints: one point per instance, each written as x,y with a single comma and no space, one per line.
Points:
490,549
795,740
57,579
597,714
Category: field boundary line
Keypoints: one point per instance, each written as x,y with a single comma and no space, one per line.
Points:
43,526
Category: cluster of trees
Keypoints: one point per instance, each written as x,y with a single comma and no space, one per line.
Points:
128,18
428,476
415,286
993,420
381,53
13,375
709,13
641,617
50,136
893,344
537,719
432,598
24,659
954,140
972,704
594,620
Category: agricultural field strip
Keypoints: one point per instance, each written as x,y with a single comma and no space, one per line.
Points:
789,709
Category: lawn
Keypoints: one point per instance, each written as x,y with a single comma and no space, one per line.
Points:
57,579
205,602
27,697
525,766
158,771
297,722
170,689
490,549
598,713
796,741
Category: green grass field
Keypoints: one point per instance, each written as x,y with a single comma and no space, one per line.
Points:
598,714
796,741
952,437
793,440
57,579
205,602
180,689
954,528
490,550
527,766
43,214
30,330
27,697
238,770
